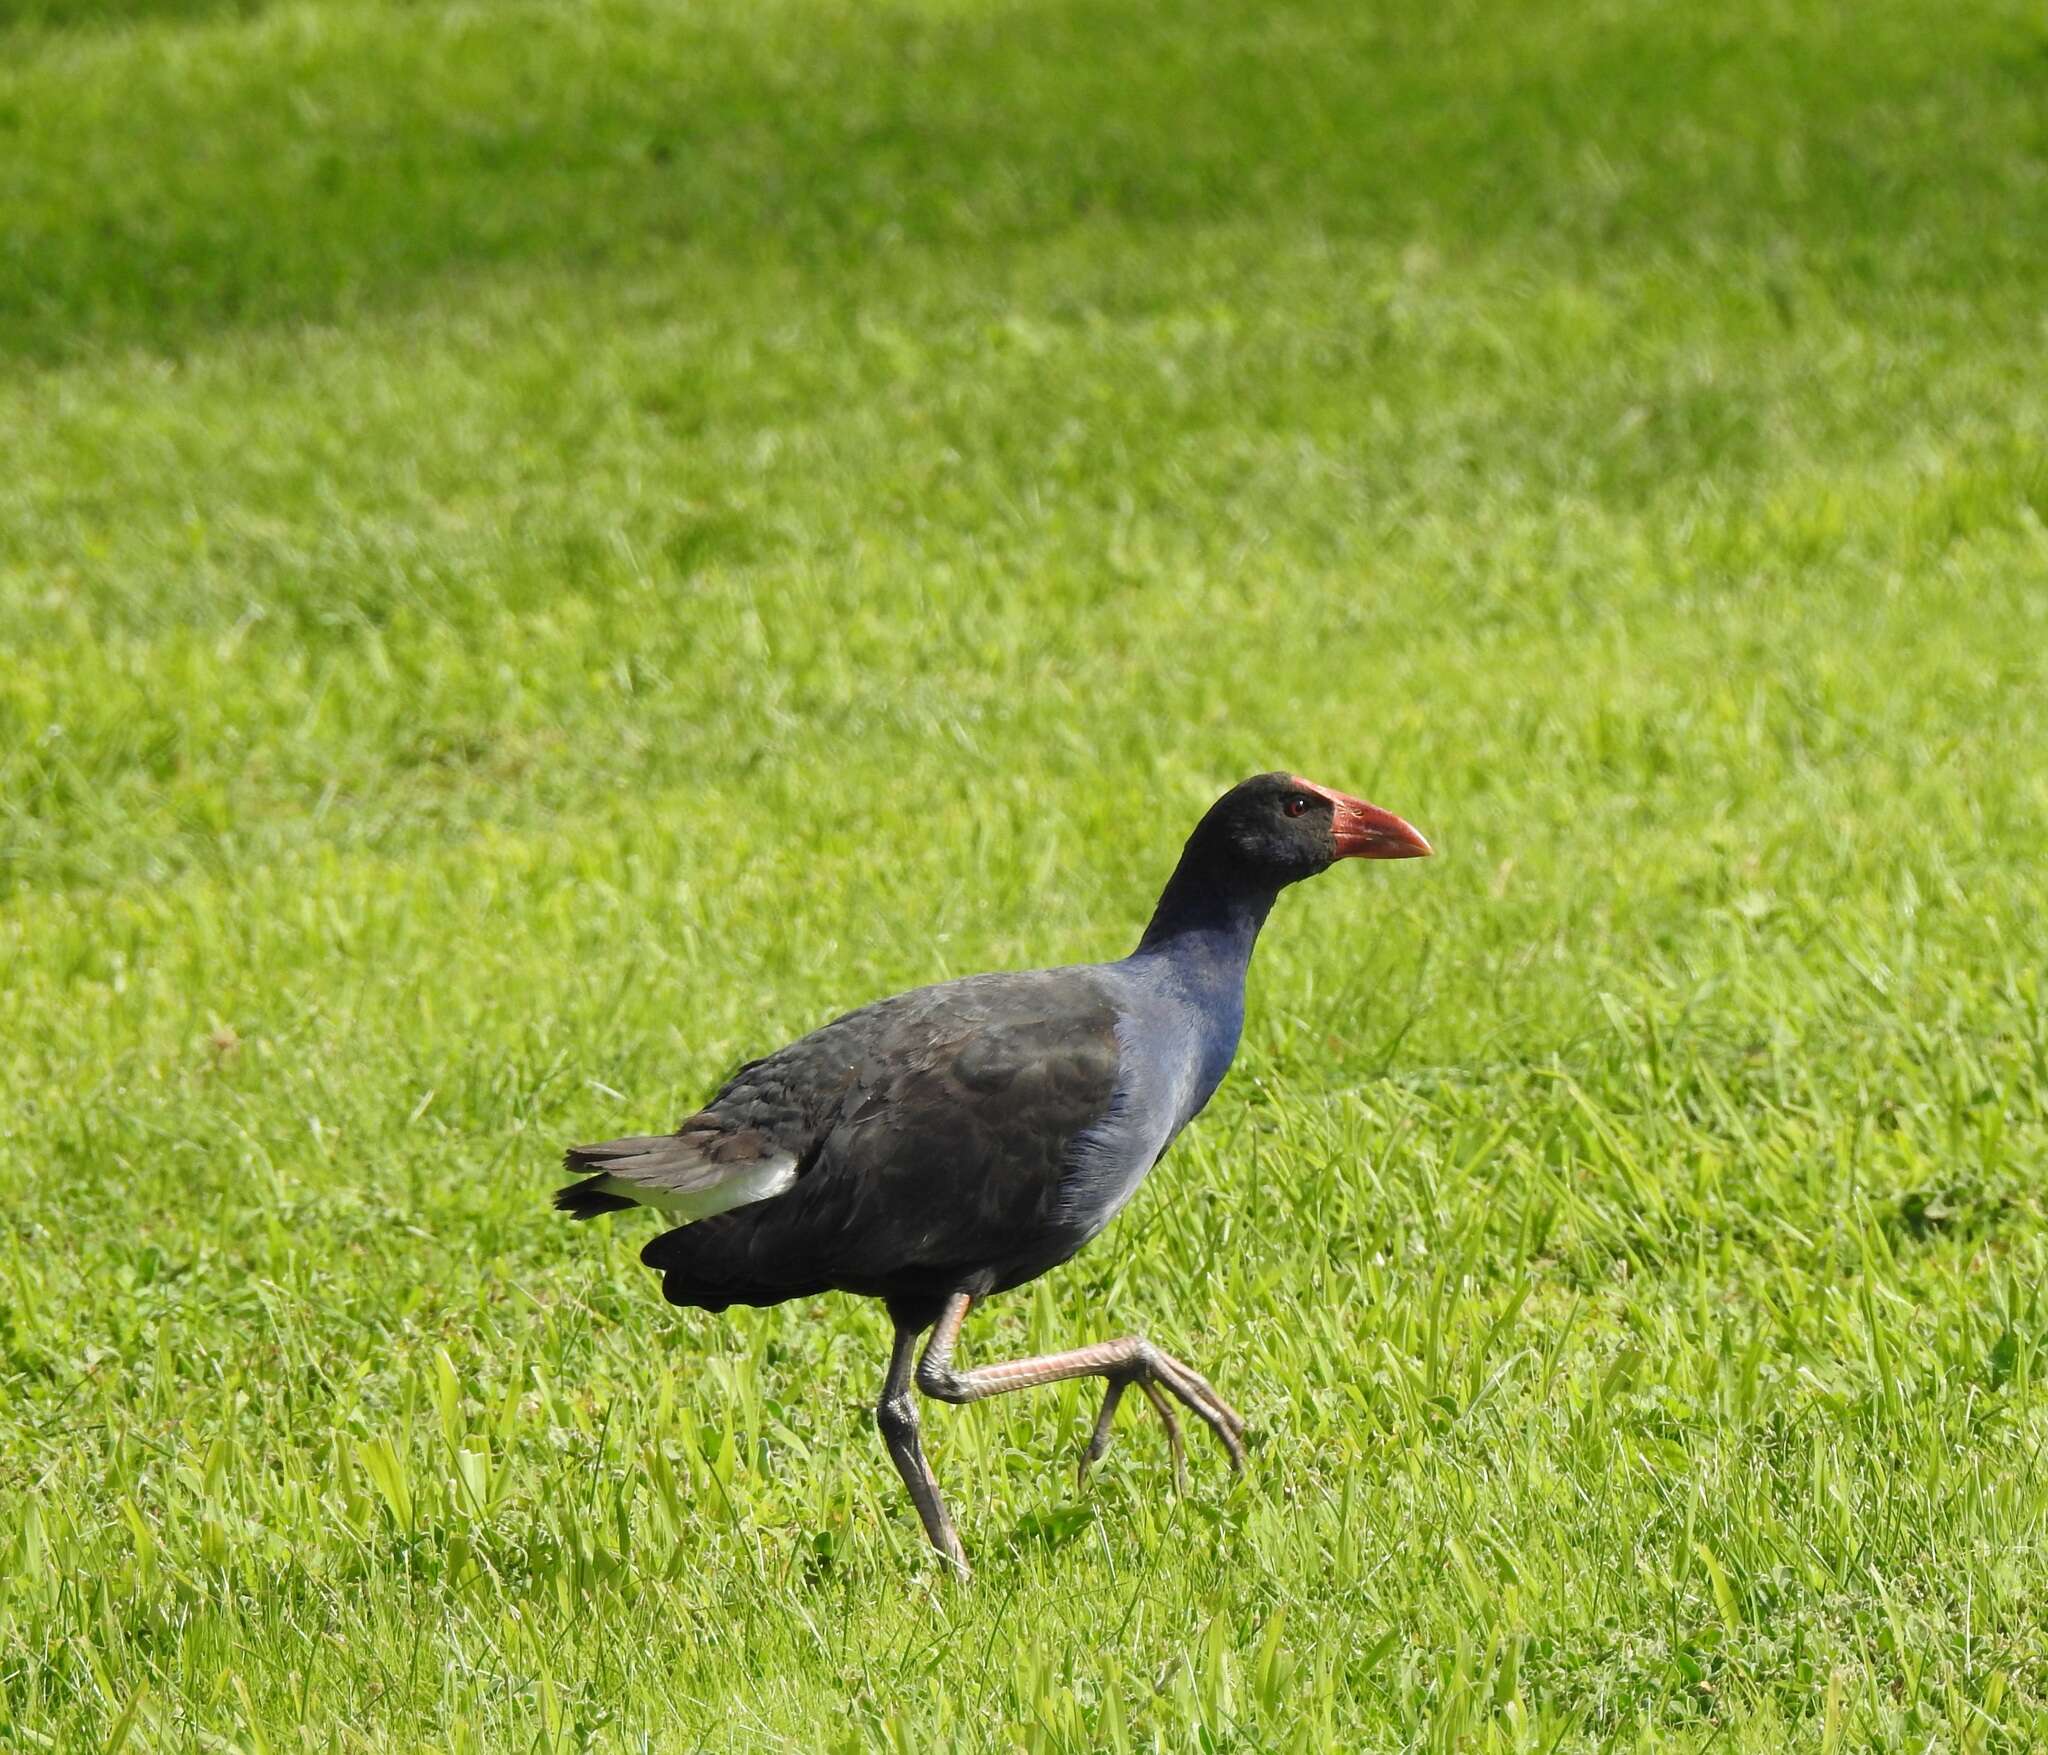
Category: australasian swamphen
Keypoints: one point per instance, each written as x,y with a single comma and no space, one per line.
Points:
955,1141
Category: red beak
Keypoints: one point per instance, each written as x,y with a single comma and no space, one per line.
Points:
1364,831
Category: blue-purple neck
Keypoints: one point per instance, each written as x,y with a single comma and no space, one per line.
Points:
1192,961
1205,926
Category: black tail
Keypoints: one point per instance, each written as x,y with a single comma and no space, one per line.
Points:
585,1200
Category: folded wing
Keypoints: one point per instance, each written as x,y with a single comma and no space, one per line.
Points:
937,1131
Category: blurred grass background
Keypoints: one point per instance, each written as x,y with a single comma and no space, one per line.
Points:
544,549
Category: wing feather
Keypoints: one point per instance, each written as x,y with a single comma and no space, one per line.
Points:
688,1175
923,1140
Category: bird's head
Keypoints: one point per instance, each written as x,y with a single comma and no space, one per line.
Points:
1280,828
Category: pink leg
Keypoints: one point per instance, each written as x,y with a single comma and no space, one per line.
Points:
1124,1362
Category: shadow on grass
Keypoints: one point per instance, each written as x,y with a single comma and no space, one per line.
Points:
311,162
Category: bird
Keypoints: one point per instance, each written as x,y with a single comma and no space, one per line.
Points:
936,1148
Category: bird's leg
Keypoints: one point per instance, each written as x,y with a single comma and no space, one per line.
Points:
1164,1409
1122,1363
1098,1439
896,1415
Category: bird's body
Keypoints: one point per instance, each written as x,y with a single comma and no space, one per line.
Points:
952,1142
961,1138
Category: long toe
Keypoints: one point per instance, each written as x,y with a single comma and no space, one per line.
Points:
1207,1390
1204,1404
1098,1439
1171,1421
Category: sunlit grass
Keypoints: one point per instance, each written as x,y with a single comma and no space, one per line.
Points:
545,550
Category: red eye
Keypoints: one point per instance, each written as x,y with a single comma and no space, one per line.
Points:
1296,805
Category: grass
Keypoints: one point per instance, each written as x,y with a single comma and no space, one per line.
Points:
544,549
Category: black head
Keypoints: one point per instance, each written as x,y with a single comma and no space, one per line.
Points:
1276,829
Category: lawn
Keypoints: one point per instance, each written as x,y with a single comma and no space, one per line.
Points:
545,549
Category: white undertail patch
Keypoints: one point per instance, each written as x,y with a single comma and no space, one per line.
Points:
742,1186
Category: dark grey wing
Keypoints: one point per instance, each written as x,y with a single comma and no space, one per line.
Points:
948,1122
760,1132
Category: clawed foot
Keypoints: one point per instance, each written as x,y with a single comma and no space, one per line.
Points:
1160,1375
1120,1363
